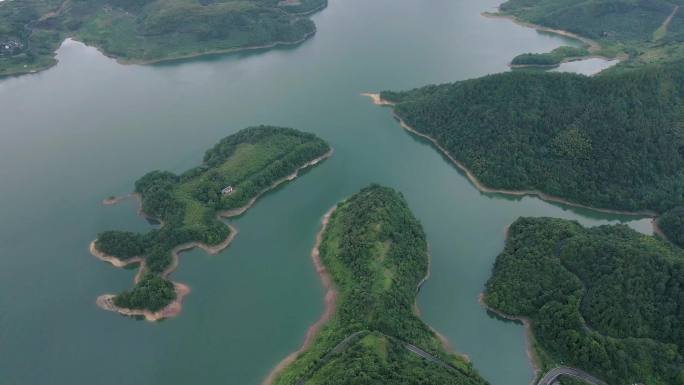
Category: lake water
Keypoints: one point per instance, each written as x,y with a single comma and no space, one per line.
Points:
89,127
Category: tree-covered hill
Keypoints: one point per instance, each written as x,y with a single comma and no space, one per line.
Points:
250,161
376,254
607,300
643,30
613,141
671,224
146,30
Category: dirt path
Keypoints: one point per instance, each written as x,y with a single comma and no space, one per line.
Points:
661,32
330,302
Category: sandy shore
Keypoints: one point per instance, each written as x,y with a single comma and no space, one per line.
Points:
330,301
476,182
113,200
106,302
174,308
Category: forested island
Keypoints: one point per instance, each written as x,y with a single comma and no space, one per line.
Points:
374,252
234,173
607,300
145,31
638,31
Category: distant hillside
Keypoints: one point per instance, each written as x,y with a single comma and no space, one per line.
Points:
645,30
146,30
611,141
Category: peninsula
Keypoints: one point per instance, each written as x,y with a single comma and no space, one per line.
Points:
610,141
605,300
147,31
235,172
372,254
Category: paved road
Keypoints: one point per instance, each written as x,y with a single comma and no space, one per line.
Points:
422,353
337,349
552,375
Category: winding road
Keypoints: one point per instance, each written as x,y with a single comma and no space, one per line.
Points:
552,375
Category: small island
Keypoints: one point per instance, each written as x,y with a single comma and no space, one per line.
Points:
147,31
372,257
605,300
235,172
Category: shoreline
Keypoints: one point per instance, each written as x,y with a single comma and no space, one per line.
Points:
106,301
485,189
215,52
594,46
118,199
241,210
565,60
174,308
123,61
446,345
658,232
330,300
532,356
113,200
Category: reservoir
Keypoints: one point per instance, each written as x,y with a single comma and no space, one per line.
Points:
89,127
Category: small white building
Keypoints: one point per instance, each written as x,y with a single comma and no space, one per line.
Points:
227,190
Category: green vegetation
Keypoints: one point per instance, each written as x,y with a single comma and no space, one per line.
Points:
376,254
671,224
641,30
250,161
607,300
551,59
146,30
614,140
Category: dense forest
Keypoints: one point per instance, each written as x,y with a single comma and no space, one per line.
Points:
146,30
671,224
551,59
250,161
614,140
641,30
607,300
376,254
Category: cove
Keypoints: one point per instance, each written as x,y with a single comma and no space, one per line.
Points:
89,127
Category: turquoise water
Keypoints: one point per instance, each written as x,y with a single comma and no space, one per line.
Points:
89,127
